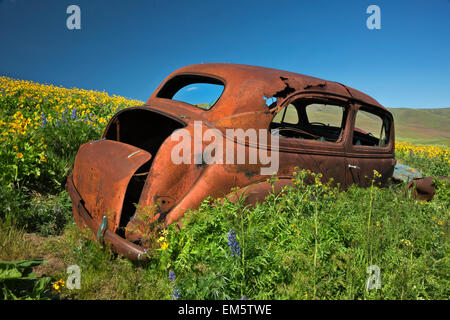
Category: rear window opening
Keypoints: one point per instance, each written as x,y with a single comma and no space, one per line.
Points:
200,91
311,120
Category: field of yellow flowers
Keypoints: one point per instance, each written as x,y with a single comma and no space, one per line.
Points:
312,242
33,114
41,129
430,160
431,152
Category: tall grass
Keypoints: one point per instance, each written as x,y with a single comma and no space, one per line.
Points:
13,242
315,242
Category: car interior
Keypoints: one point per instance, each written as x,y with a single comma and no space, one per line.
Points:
319,120
311,120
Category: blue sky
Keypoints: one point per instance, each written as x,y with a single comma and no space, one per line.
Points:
128,47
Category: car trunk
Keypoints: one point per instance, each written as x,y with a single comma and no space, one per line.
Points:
109,174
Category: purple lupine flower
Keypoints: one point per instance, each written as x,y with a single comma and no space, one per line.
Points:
176,292
233,244
74,114
44,119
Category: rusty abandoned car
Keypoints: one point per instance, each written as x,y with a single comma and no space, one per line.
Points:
320,125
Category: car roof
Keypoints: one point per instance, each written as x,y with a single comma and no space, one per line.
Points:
247,87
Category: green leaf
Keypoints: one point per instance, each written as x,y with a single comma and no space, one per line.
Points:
23,263
40,285
12,273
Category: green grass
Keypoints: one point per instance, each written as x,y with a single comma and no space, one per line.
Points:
316,243
313,242
14,244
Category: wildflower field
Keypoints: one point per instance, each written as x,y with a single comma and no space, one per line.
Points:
311,241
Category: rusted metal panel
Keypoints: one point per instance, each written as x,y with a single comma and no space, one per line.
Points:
404,173
84,219
102,171
422,188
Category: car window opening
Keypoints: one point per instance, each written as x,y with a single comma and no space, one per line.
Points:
310,120
370,129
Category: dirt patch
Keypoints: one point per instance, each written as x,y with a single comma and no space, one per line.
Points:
54,264
34,239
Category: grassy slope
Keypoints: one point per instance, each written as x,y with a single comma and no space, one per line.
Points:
425,126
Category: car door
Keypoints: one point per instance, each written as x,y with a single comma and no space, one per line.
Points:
370,147
312,136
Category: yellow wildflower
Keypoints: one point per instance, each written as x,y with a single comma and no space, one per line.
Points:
406,242
58,285
376,174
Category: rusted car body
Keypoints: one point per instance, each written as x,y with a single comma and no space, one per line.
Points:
318,123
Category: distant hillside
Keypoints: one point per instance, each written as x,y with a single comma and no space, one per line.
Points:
424,126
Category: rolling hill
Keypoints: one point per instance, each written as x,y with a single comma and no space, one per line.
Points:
422,126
